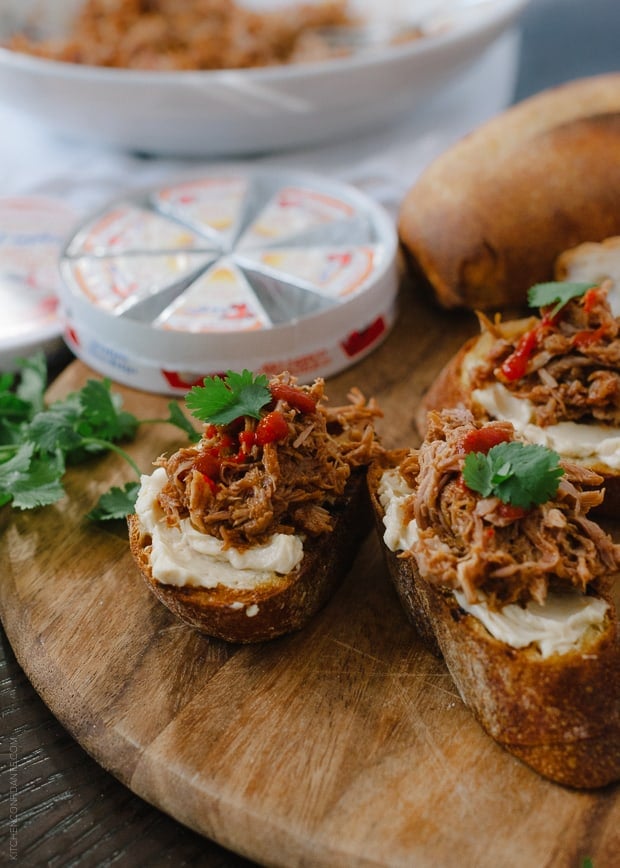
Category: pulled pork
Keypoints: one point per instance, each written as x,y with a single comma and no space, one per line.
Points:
191,34
243,491
567,365
482,545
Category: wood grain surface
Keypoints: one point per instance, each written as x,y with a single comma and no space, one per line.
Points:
345,744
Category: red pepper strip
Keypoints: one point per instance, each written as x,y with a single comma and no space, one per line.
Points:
590,299
293,396
588,336
510,512
515,366
483,439
209,465
550,319
271,428
210,482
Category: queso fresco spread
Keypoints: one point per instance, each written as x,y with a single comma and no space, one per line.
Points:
591,442
185,556
555,628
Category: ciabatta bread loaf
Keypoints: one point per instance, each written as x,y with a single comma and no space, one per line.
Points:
488,218
246,534
466,567
556,378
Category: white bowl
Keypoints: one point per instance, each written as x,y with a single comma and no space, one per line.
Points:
240,112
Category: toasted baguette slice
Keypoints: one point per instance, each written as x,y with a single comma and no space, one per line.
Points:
271,609
487,219
452,388
560,714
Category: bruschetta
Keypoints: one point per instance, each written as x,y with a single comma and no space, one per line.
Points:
498,566
246,534
555,376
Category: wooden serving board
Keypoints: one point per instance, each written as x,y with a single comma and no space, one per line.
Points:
345,744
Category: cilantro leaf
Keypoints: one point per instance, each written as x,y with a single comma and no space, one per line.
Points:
33,381
38,441
117,503
177,418
522,474
13,413
56,427
102,413
220,401
29,481
556,292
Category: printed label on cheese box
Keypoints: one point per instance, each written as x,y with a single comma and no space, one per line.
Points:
214,205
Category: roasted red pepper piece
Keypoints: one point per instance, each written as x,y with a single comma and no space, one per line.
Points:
515,366
483,439
511,513
590,299
271,428
588,336
294,397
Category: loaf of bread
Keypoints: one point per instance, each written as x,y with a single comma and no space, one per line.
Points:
246,534
489,217
557,379
552,702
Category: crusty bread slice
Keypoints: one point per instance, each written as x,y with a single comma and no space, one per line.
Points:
487,219
560,714
275,608
452,388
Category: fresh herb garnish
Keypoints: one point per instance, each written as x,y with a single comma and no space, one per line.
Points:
522,474
558,293
116,503
222,400
38,441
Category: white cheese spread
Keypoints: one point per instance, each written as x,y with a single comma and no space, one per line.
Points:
393,492
186,556
555,628
588,442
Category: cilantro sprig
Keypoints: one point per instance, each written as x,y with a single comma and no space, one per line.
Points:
222,400
39,440
521,474
557,293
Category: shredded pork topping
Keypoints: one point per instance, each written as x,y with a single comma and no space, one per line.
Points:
572,371
191,34
294,485
478,545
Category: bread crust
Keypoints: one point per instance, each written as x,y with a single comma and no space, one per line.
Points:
273,609
487,219
451,389
560,715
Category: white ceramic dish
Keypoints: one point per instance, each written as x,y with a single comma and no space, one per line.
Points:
240,112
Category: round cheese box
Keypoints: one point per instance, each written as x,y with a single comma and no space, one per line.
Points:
261,270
